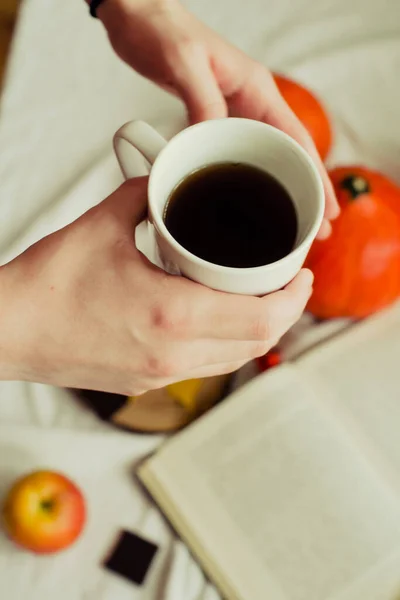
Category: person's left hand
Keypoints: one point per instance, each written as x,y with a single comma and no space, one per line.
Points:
161,40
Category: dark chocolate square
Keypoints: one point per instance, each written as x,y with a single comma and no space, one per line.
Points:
132,557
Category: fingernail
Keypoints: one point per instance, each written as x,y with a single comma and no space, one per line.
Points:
310,276
325,230
334,212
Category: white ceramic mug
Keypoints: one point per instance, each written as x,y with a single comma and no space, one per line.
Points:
216,141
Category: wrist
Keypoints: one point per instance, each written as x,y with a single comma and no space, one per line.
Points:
11,329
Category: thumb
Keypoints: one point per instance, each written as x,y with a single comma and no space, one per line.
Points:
198,87
129,202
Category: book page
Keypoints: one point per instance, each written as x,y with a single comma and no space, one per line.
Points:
274,497
358,375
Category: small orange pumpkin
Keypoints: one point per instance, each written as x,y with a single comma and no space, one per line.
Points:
310,112
357,269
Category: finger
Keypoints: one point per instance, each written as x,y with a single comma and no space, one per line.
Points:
282,117
211,352
180,357
198,372
129,202
198,87
235,317
218,369
259,98
325,230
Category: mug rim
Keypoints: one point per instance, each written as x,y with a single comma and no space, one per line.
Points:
161,228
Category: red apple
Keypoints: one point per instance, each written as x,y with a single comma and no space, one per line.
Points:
44,512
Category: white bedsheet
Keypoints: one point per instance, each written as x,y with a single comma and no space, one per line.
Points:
66,93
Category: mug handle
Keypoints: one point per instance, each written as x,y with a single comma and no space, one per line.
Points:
137,146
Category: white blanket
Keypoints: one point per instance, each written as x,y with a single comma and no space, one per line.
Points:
66,93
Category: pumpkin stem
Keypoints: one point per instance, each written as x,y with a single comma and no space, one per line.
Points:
356,185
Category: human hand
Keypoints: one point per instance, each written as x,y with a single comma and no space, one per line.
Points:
83,308
162,41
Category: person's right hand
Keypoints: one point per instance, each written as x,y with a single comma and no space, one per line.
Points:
84,308
164,42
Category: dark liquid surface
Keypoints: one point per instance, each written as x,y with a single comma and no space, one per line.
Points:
234,215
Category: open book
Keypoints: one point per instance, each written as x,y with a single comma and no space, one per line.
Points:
290,489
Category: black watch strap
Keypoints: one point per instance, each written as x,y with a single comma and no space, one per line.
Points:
93,6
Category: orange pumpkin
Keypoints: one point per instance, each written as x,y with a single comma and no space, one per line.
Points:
357,269
310,112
